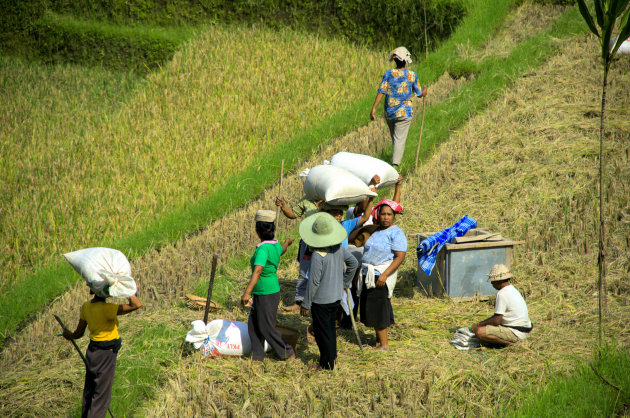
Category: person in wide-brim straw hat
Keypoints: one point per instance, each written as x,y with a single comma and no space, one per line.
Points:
499,273
327,280
510,322
321,230
397,86
264,289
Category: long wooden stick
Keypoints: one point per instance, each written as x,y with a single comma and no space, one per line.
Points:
426,53
209,298
279,191
354,324
415,167
76,347
426,40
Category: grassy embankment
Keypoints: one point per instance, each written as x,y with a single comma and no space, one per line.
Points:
165,122
447,314
599,387
143,34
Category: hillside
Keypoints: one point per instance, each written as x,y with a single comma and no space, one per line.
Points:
525,166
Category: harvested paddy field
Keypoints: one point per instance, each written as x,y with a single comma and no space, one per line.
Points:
526,167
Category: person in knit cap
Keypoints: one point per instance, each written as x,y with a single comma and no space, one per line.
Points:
264,288
510,322
397,86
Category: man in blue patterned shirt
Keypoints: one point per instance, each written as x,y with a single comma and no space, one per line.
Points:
397,86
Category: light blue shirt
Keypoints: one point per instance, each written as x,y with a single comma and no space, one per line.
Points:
381,245
349,225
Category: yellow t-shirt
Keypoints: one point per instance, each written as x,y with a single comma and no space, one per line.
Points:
101,320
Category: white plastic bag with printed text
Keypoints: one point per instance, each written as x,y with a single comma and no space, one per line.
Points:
221,338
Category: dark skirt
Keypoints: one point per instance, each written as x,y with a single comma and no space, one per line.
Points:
376,307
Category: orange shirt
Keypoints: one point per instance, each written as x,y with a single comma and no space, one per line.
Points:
101,320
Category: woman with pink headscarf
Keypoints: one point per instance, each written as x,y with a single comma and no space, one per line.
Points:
384,252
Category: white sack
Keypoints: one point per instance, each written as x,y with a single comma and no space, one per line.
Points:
365,167
335,186
221,338
624,48
105,270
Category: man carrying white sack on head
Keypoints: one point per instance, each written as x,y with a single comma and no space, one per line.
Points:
510,322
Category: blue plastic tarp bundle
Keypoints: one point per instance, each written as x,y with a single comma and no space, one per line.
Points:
427,250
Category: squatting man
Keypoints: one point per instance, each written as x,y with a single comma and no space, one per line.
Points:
510,322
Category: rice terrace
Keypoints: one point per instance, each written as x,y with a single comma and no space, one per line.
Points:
161,128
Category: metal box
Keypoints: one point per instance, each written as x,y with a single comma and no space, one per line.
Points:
461,270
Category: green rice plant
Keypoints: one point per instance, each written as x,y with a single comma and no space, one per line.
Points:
609,14
599,387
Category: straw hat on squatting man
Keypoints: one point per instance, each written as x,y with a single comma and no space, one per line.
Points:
327,280
101,319
397,86
384,252
510,322
264,288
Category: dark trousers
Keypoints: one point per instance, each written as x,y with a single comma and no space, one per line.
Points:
99,378
324,316
262,326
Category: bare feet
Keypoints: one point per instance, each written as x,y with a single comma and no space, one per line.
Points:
291,357
293,308
382,347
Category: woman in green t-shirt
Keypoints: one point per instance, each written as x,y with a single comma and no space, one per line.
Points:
265,289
